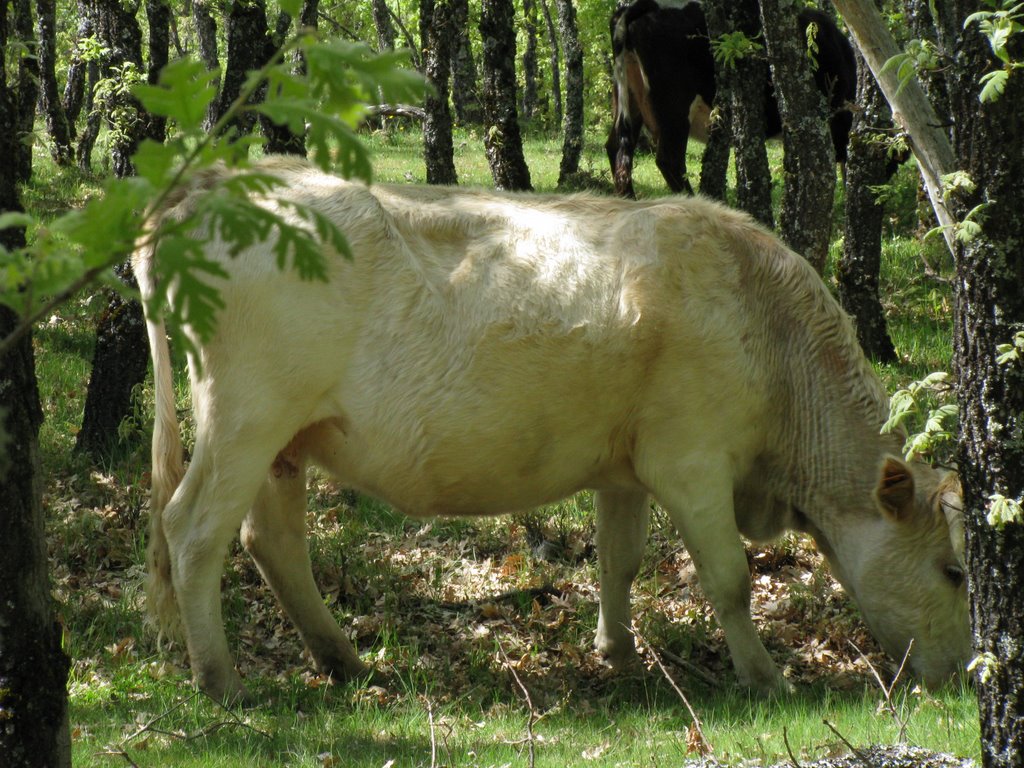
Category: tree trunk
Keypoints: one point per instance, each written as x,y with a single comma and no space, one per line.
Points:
26,89
556,67
33,666
809,173
206,36
74,87
121,354
247,41
465,91
988,311
911,109
56,120
868,166
436,38
158,15
741,89
530,71
502,138
572,142
385,28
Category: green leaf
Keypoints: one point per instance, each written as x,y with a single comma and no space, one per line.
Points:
183,93
14,219
993,84
291,7
155,161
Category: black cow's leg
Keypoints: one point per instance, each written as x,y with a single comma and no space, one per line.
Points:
671,155
620,147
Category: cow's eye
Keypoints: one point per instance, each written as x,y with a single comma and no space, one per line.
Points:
955,574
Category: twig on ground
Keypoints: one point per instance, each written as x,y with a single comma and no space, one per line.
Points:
533,718
433,733
117,753
856,752
902,722
792,757
690,667
703,745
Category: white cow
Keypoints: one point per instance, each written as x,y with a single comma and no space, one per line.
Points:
488,352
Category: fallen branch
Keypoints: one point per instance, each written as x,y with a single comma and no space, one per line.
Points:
901,722
856,752
704,746
534,717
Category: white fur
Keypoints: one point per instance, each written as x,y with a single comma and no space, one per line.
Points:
486,352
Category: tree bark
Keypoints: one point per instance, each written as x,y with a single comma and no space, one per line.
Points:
56,119
741,91
531,73
436,29
33,665
910,107
26,90
809,175
465,90
158,15
74,87
206,36
502,138
868,166
988,310
572,127
385,28
121,354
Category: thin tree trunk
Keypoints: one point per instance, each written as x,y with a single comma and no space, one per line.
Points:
556,67
121,354
868,167
910,106
502,138
809,174
741,90
158,15
74,87
33,665
382,21
436,37
530,70
465,89
56,120
206,36
26,90
572,143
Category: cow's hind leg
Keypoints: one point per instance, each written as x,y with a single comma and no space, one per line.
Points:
199,522
274,533
699,500
622,525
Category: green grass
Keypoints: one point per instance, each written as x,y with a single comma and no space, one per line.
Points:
450,608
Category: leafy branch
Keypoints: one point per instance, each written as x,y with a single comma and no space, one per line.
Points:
324,102
999,26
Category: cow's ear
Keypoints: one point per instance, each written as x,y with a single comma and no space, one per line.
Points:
895,491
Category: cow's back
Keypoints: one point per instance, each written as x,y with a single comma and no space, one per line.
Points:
484,351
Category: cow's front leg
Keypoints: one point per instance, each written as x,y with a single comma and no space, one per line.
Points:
699,501
274,533
622,527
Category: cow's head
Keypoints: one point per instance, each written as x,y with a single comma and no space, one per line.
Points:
908,577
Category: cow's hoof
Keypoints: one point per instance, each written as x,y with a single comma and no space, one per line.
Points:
768,685
230,692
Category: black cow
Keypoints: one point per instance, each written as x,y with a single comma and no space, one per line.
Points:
665,80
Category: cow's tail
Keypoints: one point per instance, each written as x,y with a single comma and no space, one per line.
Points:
168,461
